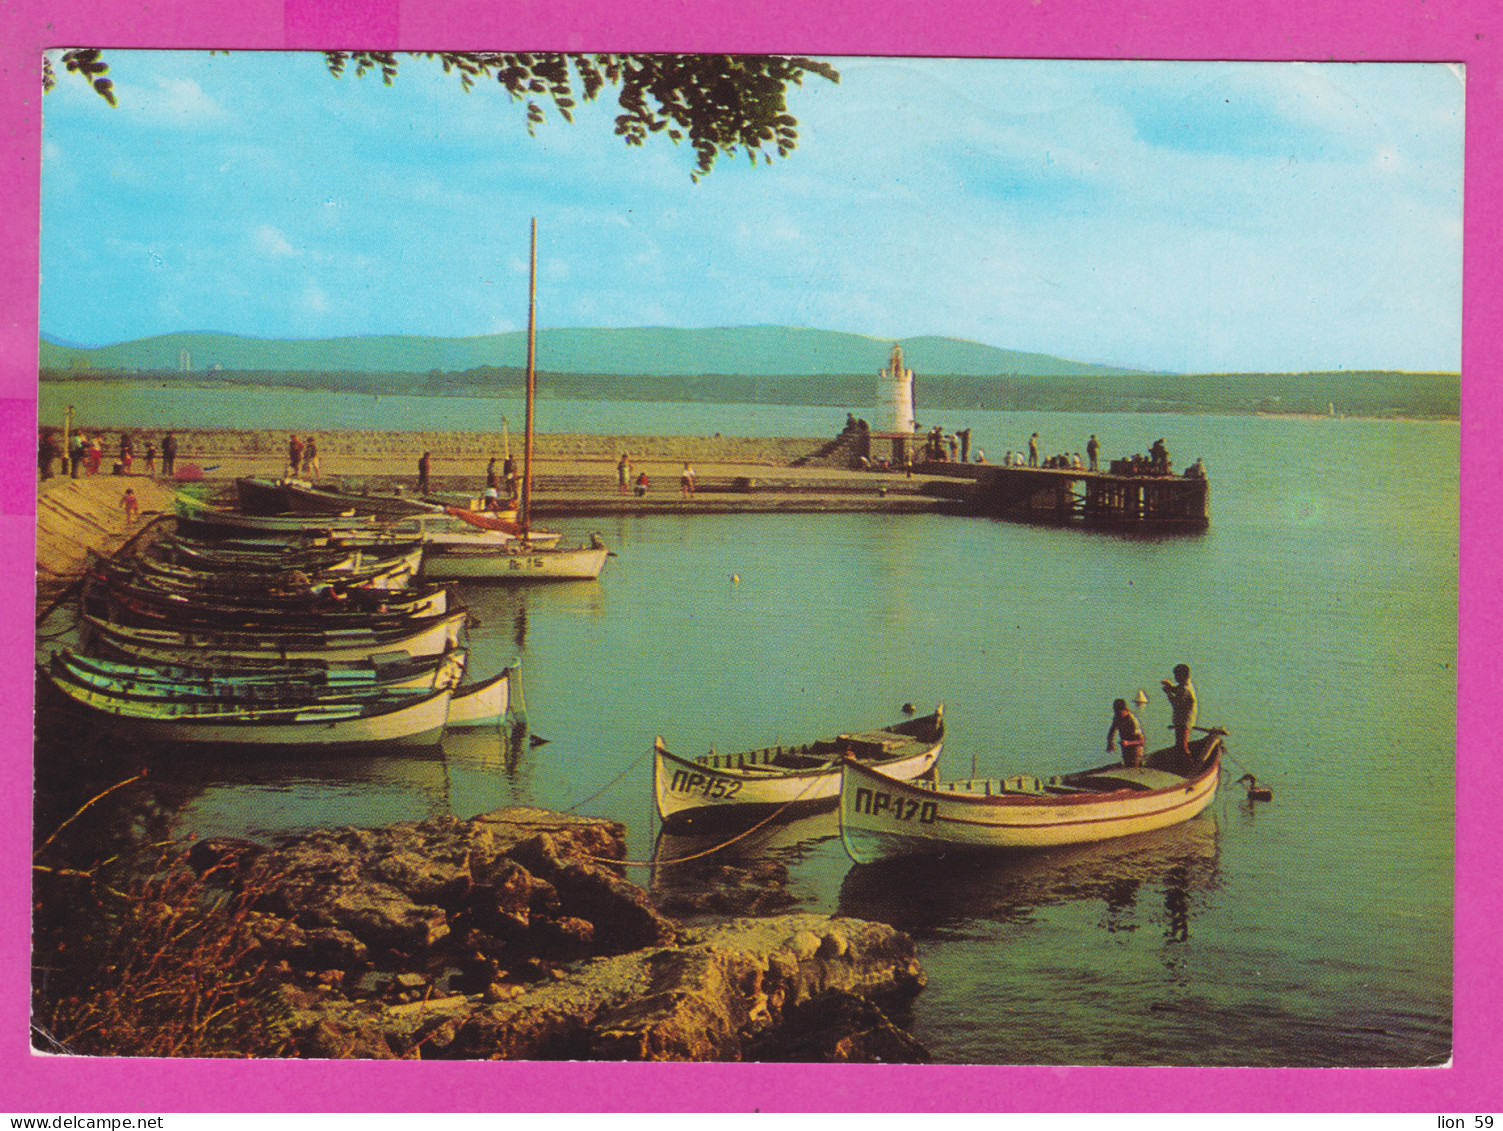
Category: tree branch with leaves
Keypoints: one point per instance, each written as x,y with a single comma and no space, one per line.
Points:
721,105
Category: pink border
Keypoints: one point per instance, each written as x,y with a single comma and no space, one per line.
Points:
1415,30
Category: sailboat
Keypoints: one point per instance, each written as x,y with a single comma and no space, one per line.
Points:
523,557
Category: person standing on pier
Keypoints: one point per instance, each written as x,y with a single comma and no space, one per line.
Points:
686,482
1033,450
492,477
169,454
310,458
424,464
623,473
1092,449
965,444
1125,726
1181,695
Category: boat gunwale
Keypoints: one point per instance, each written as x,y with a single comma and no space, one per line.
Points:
1020,800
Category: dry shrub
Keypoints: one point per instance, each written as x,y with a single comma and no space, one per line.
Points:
165,964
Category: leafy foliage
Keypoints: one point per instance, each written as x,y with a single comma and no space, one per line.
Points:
719,104
88,65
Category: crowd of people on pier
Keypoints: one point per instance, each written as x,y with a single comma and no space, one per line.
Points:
939,446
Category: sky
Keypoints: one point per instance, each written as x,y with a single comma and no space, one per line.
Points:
1181,217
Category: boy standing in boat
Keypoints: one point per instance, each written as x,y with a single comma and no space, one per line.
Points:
1181,695
1125,726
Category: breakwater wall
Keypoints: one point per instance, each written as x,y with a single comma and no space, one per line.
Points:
209,445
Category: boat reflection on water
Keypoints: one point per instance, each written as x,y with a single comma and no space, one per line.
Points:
1135,876
726,871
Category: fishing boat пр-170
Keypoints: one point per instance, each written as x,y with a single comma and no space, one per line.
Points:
881,817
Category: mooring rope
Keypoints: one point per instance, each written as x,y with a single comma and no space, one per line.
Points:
607,785
774,815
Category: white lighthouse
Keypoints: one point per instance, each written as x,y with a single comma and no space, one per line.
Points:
894,395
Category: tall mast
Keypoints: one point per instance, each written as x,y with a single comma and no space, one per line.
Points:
524,519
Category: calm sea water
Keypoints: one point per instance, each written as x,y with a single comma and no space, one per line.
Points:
1318,613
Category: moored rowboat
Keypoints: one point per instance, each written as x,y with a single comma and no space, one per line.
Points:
882,817
426,636
788,779
301,680
516,561
482,704
326,726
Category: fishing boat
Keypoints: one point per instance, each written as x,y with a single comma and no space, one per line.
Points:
274,679
342,575
277,555
482,704
787,780
523,557
326,726
882,817
196,514
425,636
295,497
517,561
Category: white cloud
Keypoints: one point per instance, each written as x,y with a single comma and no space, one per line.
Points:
270,242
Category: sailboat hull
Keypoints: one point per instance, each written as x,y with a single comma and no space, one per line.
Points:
516,565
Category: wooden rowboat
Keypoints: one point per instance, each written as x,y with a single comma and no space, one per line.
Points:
882,817
789,780
295,680
482,704
325,726
201,515
426,636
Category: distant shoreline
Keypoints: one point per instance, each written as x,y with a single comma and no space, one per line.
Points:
1106,407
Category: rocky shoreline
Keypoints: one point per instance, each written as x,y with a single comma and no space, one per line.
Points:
514,935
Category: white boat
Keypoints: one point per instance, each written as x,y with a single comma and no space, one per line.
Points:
787,780
517,562
305,679
524,556
426,637
407,720
196,512
882,817
482,704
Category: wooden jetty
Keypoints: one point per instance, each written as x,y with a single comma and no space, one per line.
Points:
1074,495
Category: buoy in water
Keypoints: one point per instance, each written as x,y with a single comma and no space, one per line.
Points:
1255,792
735,577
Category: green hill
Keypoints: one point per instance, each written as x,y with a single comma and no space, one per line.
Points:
753,351
745,365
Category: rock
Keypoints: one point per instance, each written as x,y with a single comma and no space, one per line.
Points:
838,1027
512,935
703,1001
